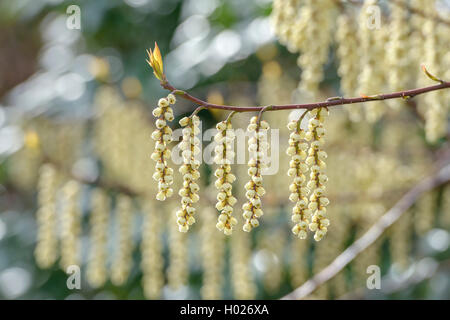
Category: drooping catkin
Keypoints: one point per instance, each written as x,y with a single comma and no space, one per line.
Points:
436,102
224,158
445,208
190,146
212,250
152,263
314,53
70,224
163,136
401,239
347,52
288,27
241,276
47,239
371,41
257,148
424,215
298,265
178,269
301,214
96,268
123,260
398,48
318,178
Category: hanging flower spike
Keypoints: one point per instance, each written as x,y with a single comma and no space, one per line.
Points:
254,190
190,146
318,178
301,215
163,136
224,157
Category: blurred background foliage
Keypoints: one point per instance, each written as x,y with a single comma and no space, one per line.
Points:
55,82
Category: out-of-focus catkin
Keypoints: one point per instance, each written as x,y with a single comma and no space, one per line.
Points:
317,37
96,268
152,263
435,102
212,250
47,239
190,146
371,42
398,49
257,148
224,158
163,136
401,239
316,160
424,213
347,52
241,276
70,224
123,260
178,270
301,214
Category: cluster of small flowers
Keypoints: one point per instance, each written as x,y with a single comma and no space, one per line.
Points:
318,178
223,157
47,240
301,215
70,224
123,260
96,269
257,145
190,146
163,136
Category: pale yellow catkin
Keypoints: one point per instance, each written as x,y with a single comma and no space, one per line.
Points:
96,268
301,214
70,224
370,213
347,52
152,263
123,260
178,269
47,239
243,283
436,103
318,178
329,249
314,54
287,24
445,208
212,252
424,213
257,147
163,137
224,156
298,265
400,240
190,147
371,42
398,49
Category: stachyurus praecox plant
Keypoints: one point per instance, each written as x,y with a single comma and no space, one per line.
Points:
307,166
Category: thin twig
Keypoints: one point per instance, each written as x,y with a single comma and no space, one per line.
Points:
407,94
441,177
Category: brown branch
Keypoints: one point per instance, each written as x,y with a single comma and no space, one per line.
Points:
441,177
407,94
